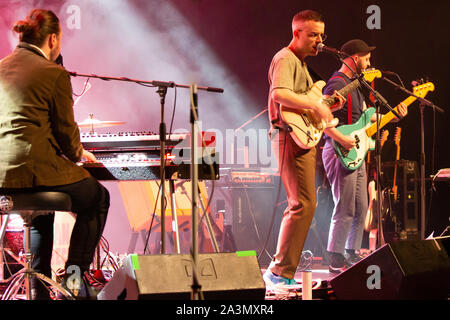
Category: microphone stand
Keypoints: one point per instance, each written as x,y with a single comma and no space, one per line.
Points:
251,119
196,287
380,100
422,103
162,91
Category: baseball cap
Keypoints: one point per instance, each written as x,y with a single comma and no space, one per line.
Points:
356,46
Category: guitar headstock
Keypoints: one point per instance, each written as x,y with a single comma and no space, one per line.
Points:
397,135
371,74
421,88
384,136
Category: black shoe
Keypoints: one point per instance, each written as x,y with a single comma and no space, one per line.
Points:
352,257
338,263
337,270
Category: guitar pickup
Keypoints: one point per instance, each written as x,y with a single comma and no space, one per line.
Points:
357,141
306,120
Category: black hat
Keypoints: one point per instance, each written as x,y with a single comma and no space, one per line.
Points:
356,46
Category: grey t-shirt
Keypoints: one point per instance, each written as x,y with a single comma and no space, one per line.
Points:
286,71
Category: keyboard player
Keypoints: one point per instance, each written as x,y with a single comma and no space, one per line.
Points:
40,145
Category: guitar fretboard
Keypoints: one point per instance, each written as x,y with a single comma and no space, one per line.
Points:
388,117
350,87
344,92
419,91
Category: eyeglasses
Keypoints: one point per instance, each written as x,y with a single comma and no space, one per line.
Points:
323,36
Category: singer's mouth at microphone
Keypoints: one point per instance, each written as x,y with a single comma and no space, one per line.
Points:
318,47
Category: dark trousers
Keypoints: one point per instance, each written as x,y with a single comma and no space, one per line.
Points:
90,204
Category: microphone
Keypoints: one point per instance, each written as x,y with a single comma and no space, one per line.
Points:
392,73
323,48
59,60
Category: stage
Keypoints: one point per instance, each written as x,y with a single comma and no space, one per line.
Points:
321,289
320,286
242,199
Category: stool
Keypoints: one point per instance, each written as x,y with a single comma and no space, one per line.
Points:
29,205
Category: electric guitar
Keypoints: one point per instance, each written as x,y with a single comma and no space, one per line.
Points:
397,143
370,222
363,130
306,129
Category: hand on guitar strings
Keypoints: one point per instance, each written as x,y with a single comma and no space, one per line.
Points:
347,142
340,101
402,110
322,112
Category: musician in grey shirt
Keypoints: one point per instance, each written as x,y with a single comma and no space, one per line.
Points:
289,82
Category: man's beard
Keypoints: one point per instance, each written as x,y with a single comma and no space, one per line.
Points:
359,69
53,55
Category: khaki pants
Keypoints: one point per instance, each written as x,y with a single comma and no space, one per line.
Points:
297,170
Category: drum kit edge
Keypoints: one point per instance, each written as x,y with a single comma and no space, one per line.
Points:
91,123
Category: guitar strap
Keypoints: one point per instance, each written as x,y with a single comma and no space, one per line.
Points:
314,74
349,102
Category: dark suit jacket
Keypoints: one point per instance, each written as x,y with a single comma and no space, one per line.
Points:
39,138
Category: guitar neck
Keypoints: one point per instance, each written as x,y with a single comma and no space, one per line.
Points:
394,184
343,92
348,88
388,117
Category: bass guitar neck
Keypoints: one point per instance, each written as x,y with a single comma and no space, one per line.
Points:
363,130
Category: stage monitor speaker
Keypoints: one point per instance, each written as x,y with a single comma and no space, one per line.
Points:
399,271
222,276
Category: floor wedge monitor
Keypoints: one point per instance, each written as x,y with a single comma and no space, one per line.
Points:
401,270
221,276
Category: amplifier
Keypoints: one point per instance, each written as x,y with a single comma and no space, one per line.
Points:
243,176
406,205
246,199
251,177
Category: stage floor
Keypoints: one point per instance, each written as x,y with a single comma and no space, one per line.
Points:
320,284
